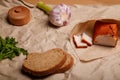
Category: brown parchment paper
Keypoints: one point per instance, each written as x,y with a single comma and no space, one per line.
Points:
39,36
95,51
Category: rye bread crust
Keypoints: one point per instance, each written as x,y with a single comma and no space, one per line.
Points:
67,65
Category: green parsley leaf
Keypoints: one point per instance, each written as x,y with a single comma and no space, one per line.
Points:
8,48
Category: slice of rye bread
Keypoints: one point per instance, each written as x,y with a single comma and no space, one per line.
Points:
67,65
45,63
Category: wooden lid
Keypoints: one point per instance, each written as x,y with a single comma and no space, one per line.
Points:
19,15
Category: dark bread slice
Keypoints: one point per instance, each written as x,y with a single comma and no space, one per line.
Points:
67,65
45,63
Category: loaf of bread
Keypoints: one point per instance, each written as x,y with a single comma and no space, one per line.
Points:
105,33
19,15
49,62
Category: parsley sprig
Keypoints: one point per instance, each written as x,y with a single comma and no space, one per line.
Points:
8,48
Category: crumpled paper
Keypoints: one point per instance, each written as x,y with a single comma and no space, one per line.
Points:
39,36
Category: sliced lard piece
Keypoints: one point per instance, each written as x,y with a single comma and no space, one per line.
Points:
86,39
78,42
105,33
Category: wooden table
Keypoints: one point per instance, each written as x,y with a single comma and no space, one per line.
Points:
84,2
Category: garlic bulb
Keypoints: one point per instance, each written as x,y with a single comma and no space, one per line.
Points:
59,15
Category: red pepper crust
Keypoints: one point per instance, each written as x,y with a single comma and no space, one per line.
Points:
105,28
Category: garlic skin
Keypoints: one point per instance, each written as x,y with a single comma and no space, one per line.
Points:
60,15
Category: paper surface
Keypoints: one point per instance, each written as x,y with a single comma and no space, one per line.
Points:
39,36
